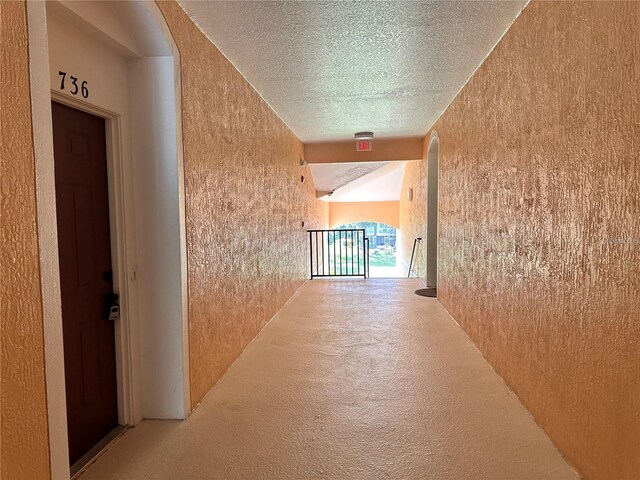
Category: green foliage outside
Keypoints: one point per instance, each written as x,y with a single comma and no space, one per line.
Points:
382,255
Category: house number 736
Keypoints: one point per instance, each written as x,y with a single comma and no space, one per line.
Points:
74,88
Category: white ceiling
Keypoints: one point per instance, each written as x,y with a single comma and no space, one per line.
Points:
330,69
383,183
328,177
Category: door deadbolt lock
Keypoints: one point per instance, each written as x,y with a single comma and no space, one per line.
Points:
112,308
114,313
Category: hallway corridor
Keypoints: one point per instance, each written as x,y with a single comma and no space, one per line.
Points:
351,380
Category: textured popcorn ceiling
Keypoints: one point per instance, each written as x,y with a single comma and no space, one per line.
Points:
330,69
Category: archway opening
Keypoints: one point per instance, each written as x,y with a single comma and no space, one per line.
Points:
384,261
432,213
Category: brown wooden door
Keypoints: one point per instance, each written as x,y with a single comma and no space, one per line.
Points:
84,248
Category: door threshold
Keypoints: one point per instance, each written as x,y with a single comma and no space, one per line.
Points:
98,449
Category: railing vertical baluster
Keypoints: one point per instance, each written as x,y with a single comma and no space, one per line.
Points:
346,252
364,255
317,263
325,253
366,258
340,249
342,253
358,249
357,254
334,253
311,253
338,253
321,264
346,245
322,250
352,270
328,255
363,258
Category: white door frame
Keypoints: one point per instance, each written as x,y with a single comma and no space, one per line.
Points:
122,257
122,241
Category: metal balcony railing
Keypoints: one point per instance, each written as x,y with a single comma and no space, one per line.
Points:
339,253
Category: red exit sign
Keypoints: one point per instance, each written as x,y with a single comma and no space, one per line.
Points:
363,145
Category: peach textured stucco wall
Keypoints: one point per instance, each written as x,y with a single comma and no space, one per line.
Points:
23,427
245,204
413,216
342,213
539,246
